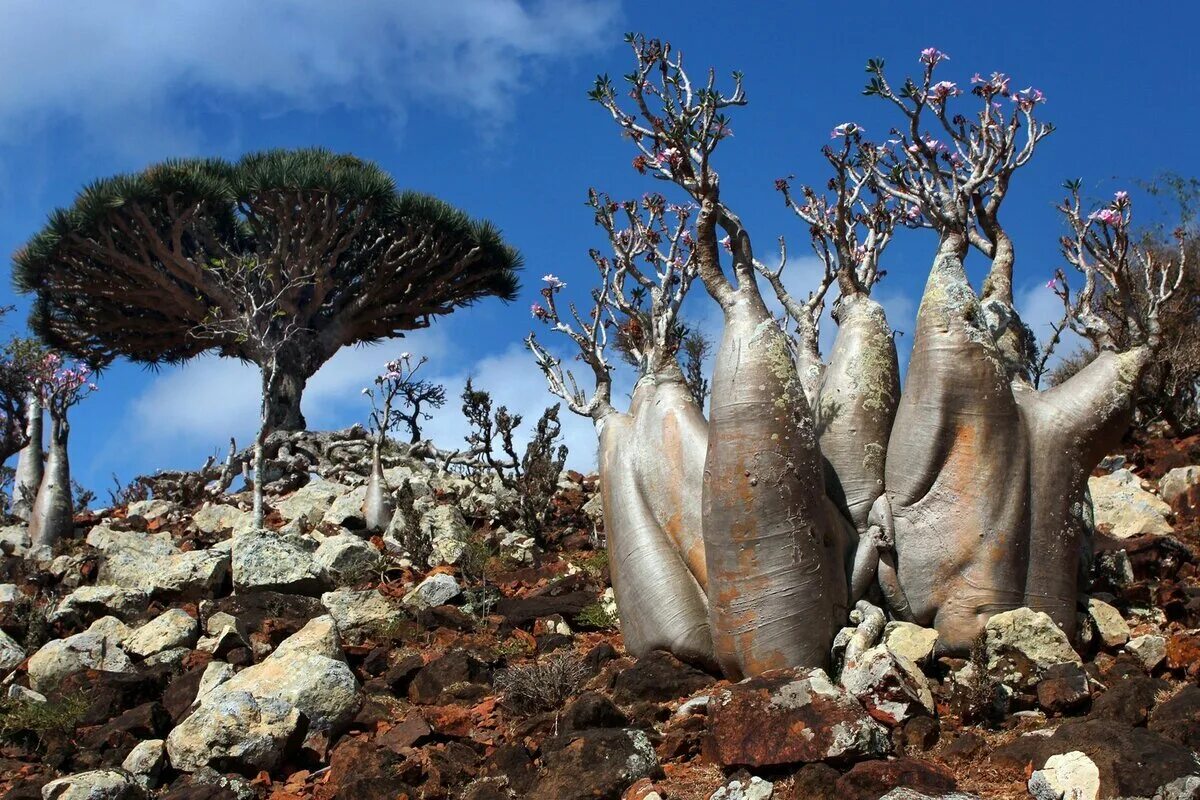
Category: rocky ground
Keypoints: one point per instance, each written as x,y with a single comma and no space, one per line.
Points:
173,651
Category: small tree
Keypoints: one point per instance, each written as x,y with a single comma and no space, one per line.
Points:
62,388
140,262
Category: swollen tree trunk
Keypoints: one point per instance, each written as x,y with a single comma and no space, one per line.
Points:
957,471
292,371
661,603
776,581
52,518
30,462
377,508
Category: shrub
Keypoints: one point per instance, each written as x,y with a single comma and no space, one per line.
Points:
45,721
542,686
598,616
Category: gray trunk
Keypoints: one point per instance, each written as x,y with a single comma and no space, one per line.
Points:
52,520
30,462
378,508
283,403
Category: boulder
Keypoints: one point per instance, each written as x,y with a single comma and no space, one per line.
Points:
910,640
871,779
16,538
789,716
11,652
89,602
518,547
1108,623
600,762
447,531
99,784
219,518
1062,688
435,590
237,731
145,761
308,505
92,649
1022,644
264,560
307,671
358,614
659,677
1124,509
753,789
154,510
173,628
1066,776
448,671
1128,699
890,686
345,559
346,510
153,564
1178,718
1180,489
1149,649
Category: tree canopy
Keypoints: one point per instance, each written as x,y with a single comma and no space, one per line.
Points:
141,265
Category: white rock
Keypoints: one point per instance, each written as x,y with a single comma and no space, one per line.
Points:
890,685
18,692
346,511
910,640
518,546
235,729
1023,643
1110,626
90,601
754,789
11,652
282,562
435,590
173,628
309,504
1173,486
446,529
152,510
16,537
112,628
10,596
1149,649
219,517
99,784
153,564
307,671
145,761
215,674
359,613
62,657
1124,509
1067,776
345,558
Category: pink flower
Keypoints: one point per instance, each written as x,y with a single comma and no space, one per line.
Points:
846,129
942,90
1108,216
931,56
553,282
1050,283
1121,197
538,312
727,244
1028,97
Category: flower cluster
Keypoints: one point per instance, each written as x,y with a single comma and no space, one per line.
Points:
931,56
846,129
63,385
940,91
1028,97
1113,215
997,84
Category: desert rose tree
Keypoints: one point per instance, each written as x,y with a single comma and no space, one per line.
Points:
821,483
140,263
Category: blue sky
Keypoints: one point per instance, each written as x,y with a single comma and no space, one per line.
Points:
482,102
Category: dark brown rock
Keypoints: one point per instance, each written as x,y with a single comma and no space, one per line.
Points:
511,762
659,677
791,716
815,782
519,611
1178,718
871,780
592,710
360,770
920,734
1063,688
455,667
1128,701
591,764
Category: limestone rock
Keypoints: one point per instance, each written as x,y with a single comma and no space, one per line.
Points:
309,504
360,613
910,640
62,657
99,784
436,590
1110,626
1180,489
1150,649
153,564
344,558
236,730
15,537
145,761
1022,644
754,789
1123,509
219,517
346,511
755,723
153,510
890,686
446,529
1066,776
173,628
88,602
11,652
275,561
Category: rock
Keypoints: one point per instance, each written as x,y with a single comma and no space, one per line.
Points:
1113,568
308,505
789,716
871,779
63,657
450,670
592,710
519,611
145,762
307,671
1022,644
910,640
281,562
1149,649
346,510
10,597
360,614
99,784
219,517
1124,510
435,590
362,770
1128,700
345,559
1185,788
1111,627
16,538
1180,489
1066,776
1178,718
1132,762
1183,651
236,731
152,510
594,763
446,529
754,789
172,629
889,685
88,602
518,547
659,677
11,653
1062,688
151,563
215,673
921,734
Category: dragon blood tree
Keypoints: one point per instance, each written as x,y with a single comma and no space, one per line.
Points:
62,387
141,262
821,483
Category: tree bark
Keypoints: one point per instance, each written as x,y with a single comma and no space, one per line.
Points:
52,518
30,462
283,403
377,508
775,550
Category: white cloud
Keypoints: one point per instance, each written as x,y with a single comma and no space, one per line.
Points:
127,67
